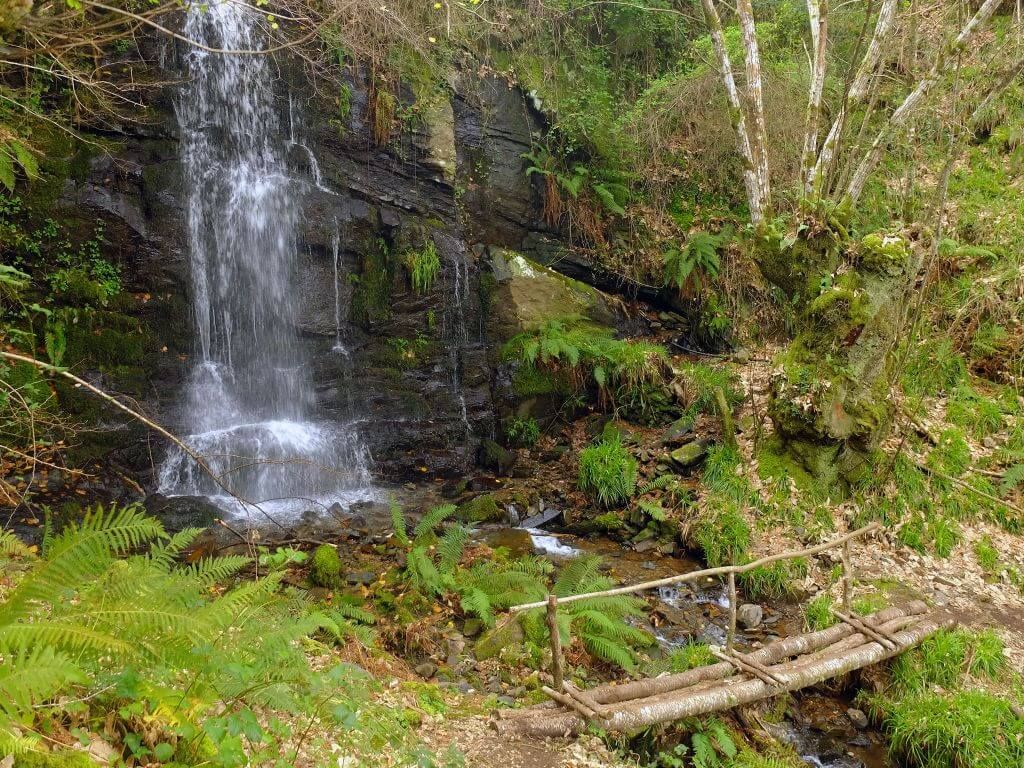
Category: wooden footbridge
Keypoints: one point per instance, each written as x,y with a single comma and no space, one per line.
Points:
737,679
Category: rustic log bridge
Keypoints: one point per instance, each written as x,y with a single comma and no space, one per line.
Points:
833,652
786,665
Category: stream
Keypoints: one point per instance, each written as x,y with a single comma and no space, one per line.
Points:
816,725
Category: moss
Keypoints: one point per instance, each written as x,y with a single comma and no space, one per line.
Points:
371,298
775,462
65,758
482,509
325,567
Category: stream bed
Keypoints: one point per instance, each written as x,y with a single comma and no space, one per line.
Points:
816,725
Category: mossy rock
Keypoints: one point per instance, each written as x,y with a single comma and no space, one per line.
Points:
502,636
325,567
495,458
482,509
64,758
526,295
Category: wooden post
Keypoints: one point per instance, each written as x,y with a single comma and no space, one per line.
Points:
556,643
731,637
847,577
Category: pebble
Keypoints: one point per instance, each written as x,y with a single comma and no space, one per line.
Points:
857,717
426,670
749,615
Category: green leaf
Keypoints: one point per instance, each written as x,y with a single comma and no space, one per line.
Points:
26,159
6,169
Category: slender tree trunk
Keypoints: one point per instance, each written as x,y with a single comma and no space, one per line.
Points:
755,97
755,199
915,99
857,94
818,11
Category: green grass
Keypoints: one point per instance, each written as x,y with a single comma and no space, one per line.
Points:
700,383
723,536
775,580
987,555
818,613
967,729
981,415
423,266
607,473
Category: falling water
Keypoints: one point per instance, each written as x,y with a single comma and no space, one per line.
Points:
249,395
455,331
339,346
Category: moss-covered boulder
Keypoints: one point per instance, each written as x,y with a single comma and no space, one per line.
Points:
482,509
525,295
325,567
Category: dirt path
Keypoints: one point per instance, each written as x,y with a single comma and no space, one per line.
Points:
482,747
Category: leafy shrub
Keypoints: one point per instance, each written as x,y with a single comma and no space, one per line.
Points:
607,472
522,432
688,267
579,350
423,266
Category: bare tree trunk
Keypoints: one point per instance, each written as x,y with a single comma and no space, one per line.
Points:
916,97
818,11
857,93
755,198
755,97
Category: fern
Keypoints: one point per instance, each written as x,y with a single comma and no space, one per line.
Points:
451,546
688,267
31,676
398,523
432,520
659,483
1013,477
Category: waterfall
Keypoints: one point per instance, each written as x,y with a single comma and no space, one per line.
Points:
249,397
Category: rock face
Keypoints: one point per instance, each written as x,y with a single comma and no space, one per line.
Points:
418,367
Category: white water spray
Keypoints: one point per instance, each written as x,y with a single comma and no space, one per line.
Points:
249,396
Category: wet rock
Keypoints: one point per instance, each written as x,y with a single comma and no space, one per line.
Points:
555,454
504,635
472,627
749,615
360,577
678,431
506,701
646,545
180,512
857,717
495,458
549,515
690,455
426,670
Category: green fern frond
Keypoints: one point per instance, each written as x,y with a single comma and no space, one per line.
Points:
354,612
81,552
704,753
722,738
423,573
609,650
398,523
69,635
432,519
475,601
211,570
165,553
451,547
579,571
659,483
12,546
30,677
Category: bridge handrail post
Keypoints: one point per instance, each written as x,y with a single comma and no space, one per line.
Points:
557,671
847,577
731,637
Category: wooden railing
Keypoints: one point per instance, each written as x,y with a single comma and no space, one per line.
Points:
730,571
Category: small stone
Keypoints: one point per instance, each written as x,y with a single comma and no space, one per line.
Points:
647,565
689,455
360,577
749,615
472,627
426,670
989,442
858,718
646,545
506,701
677,431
